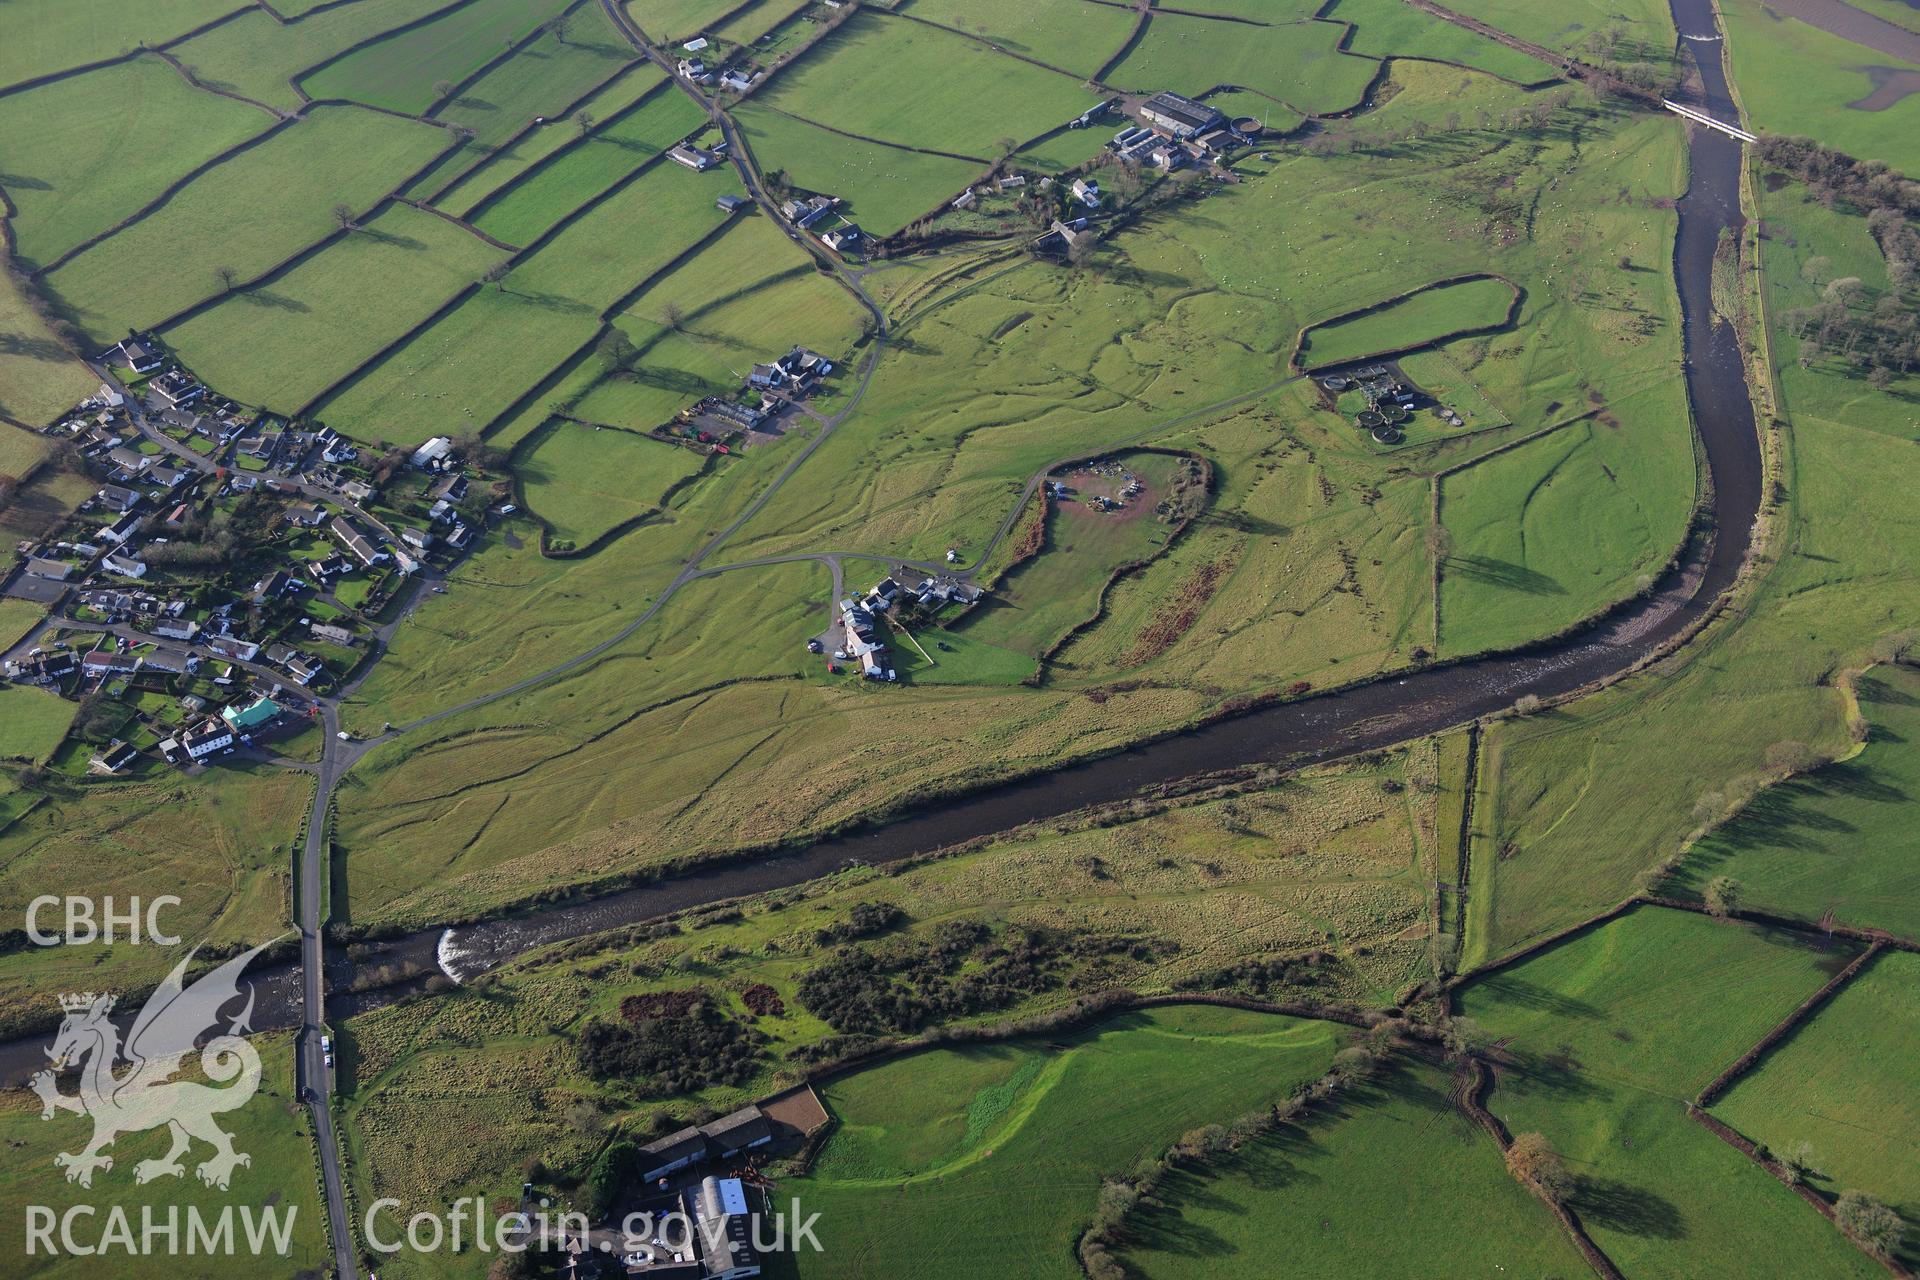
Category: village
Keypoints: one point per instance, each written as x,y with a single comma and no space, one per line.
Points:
233,568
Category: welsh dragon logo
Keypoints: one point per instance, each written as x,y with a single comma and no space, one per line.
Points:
145,1095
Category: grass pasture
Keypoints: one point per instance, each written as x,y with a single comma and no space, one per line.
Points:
87,151
524,210
38,379
271,1129
472,364
1417,320
541,80
672,21
998,1151
1387,28
1558,529
219,842
460,372
22,452
259,58
1609,1034
1844,1084
1393,1164
18,618
333,155
32,722
281,343
400,71
918,86
583,480
513,159
1836,839
1298,64
1067,34
885,187
1435,373
1570,24
39,37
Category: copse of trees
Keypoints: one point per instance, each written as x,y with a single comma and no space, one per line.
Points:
1872,334
915,983
662,1057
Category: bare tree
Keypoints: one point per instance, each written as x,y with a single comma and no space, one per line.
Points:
497,275
442,90
1791,757
224,277
1872,1223
558,25
343,217
1722,896
1533,1161
584,122
673,317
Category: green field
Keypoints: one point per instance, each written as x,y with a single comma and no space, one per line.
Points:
18,618
1558,529
39,380
1788,72
219,843
38,37
400,71
469,366
1609,1035
271,1129
1388,1180
1420,319
259,58
283,342
691,670
1298,64
1835,840
1067,34
1257,10
21,454
504,166
32,722
583,481
85,152
332,155
1843,1084
885,187
917,86
676,20
541,80
1387,28
996,1153
1571,23
523,211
